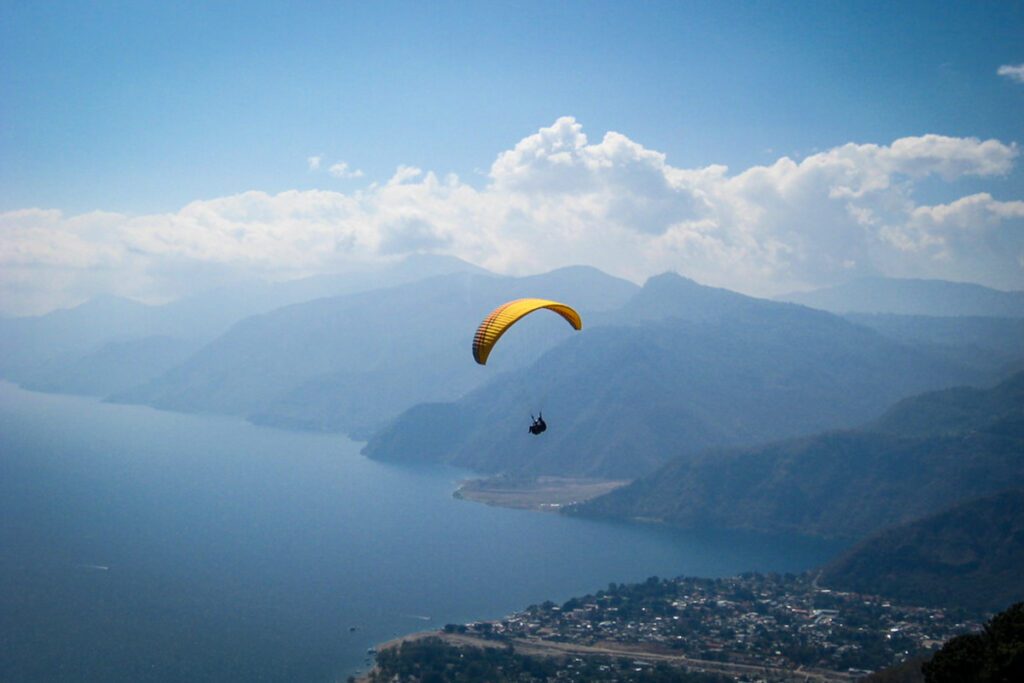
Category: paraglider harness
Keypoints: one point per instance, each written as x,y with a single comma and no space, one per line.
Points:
539,425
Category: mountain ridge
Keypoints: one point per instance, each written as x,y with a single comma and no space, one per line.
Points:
350,363
718,368
842,483
910,296
36,350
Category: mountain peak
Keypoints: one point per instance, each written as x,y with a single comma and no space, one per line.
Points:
671,295
671,278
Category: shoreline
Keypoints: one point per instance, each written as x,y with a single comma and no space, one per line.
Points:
546,493
540,647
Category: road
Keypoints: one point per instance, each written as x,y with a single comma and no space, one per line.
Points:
546,648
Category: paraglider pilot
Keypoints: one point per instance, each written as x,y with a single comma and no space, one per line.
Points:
539,425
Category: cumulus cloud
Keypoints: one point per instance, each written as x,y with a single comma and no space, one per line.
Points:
404,174
1015,72
554,199
341,170
314,162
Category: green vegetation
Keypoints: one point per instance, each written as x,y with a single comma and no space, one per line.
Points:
996,655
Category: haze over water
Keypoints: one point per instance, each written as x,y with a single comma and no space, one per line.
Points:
137,544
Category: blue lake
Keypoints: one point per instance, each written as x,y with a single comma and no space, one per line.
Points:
142,545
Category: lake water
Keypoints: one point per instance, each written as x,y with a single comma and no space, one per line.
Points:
142,545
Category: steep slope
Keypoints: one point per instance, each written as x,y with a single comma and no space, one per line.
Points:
844,484
913,297
691,367
969,556
350,363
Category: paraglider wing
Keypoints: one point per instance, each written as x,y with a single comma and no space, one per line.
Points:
506,315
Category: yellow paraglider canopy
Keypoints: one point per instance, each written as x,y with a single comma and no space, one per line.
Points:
506,315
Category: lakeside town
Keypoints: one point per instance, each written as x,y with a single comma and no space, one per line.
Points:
748,628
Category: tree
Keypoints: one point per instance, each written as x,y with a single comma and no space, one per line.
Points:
996,655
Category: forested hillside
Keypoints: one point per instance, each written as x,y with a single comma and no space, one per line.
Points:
970,556
923,455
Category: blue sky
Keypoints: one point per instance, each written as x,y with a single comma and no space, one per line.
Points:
145,106
141,108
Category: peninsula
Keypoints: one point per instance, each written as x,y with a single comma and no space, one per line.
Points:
535,493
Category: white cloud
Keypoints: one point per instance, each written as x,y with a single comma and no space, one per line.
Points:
1015,72
404,174
314,162
557,199
341,170
962,225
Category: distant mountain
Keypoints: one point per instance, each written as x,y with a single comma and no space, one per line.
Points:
685,368
913,297
351,363
670,296
112,368
992,346
27,342
39,351
969,556
924,454
959,410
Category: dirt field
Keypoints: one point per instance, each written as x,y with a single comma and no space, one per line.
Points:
542,493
